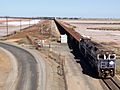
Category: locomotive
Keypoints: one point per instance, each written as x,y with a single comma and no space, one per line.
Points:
99,57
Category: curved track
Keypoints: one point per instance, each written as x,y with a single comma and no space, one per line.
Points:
27,68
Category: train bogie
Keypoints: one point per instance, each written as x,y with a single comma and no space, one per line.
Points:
106,73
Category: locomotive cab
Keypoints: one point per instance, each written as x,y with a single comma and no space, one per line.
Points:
106,66
101,58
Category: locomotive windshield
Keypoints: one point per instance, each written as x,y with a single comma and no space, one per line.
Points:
106,56
112,56
100,57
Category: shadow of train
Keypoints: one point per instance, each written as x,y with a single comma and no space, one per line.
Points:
86,67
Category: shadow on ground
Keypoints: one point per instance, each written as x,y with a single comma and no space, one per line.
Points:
86,67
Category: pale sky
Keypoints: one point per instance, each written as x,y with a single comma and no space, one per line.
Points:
62,8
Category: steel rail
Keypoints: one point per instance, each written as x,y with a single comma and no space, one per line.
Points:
111,84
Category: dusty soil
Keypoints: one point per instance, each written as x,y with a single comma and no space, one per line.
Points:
54,80
93,21
42,31
5,68
96,24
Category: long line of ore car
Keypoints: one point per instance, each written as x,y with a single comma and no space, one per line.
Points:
100,58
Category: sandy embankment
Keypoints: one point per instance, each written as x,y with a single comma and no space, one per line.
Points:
5,67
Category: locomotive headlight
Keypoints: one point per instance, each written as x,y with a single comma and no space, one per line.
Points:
111,62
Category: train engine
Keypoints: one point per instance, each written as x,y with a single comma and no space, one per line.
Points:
106,63
99,57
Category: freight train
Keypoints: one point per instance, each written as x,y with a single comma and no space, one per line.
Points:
100,58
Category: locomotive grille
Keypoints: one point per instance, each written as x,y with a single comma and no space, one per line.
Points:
107,64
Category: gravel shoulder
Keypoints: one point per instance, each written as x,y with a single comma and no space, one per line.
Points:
5,68
76,79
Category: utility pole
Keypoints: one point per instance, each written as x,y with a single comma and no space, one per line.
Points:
50,37
7,25
29,22
20,24
34,21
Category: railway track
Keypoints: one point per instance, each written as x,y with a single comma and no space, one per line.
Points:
111,84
